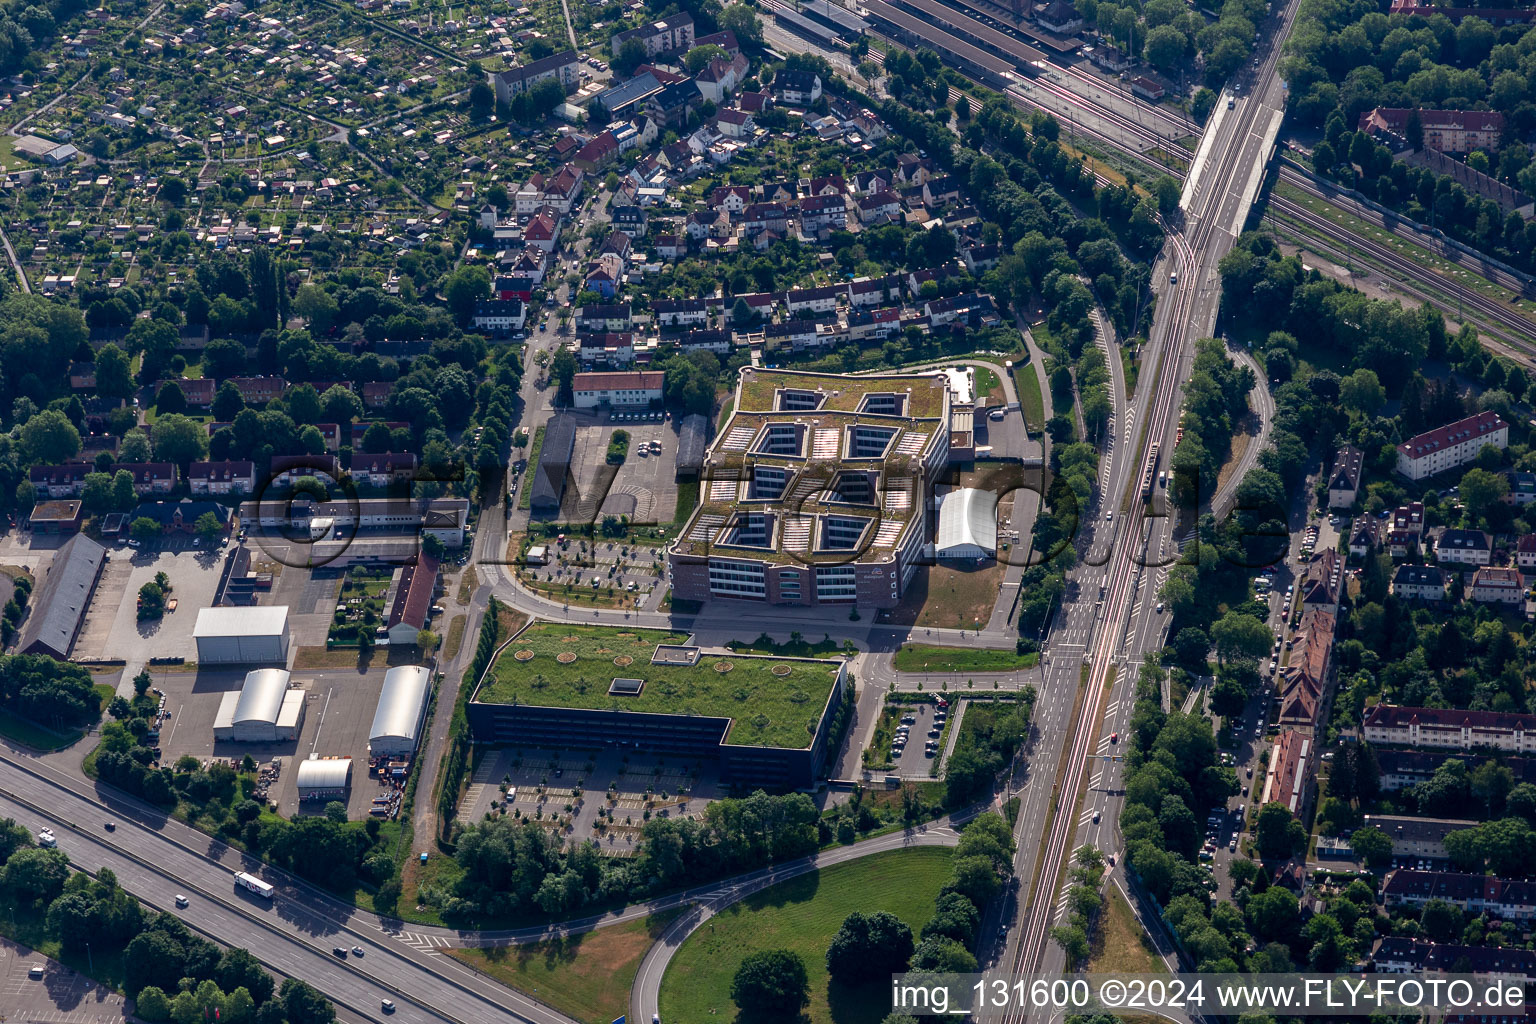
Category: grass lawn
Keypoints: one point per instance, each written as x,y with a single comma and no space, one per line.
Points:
933,658
803,915
454,638
1030,398
1120,946
987,385
771,703
585,976
40,737
525,498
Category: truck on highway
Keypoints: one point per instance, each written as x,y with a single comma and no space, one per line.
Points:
253,884
46,840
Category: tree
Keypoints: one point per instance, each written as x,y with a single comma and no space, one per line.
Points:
1413,131
152,1004
228,402
562,368
303,1004
771,983
340,404
49,438
698,58
144,530
743,21
482,100
1440,921
1372,846
1277,838
170,398
1166,47
427,641
1237,635
630,56
114,378
209,528
867,946
35,876
465,287
134,447
1362,392
1482,490
180,440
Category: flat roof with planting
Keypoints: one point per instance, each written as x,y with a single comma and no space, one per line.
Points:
772,702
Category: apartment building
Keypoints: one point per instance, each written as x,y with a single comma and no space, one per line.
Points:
1452,445
1449,728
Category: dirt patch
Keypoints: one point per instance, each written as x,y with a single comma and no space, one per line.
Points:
565,657
623,661
523,655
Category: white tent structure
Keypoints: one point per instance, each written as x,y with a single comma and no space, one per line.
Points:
967,524
324,778
263,710
402,705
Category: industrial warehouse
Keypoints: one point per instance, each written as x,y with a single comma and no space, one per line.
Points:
242,636
264,710
561,685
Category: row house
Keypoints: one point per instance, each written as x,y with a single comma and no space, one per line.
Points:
823,299
1416,838
1398,954
760,217
68,480
496,316
604,318
1322,580
1510,899
285,469
680,312
718,342
1400,769
615,348
1463,547
1449,728
828,212
878,207
222,477
1406,530
1303,680
874,325
383,468
376,393
199,392
874,291
258,391
543,231
1286,777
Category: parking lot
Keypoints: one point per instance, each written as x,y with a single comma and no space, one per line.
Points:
623,792
642,488
61,996
338,714
112,628
924,724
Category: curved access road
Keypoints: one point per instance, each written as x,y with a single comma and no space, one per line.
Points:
644,998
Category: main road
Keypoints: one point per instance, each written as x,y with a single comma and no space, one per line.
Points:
1084,806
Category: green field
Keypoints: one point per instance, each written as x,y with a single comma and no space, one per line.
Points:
932,658
1030,399
586,976
803,915
772,703
525,499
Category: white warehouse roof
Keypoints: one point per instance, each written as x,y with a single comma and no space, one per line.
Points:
261,698
325,773
401,703
262,620
967,522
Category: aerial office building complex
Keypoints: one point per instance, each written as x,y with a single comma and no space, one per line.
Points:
814,493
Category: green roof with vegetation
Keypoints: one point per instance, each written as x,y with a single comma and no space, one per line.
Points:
758,388
772,702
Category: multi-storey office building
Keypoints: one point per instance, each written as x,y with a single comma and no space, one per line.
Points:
815,492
